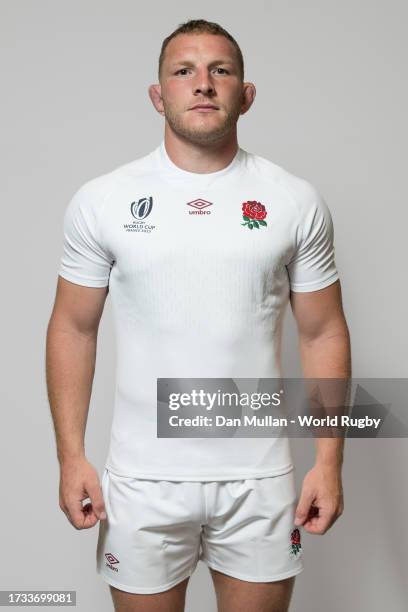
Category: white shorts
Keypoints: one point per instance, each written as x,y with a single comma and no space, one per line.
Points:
156,531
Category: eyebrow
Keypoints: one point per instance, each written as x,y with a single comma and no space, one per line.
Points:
213,63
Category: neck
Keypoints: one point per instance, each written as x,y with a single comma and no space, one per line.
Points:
200,158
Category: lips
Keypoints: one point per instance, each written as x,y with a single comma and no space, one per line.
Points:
204,107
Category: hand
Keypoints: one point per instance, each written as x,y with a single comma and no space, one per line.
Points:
79,480
321,500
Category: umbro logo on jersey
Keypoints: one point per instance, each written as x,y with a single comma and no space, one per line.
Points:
199,204
111,561
140,209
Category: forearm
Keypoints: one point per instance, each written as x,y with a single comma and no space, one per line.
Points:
329,356
70,366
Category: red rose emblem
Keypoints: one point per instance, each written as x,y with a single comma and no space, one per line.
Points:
295,536
254,210
254,214
295,545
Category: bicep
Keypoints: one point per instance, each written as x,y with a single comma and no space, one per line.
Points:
318,312
86,262
77,307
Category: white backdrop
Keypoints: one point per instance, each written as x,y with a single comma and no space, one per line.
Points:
331,107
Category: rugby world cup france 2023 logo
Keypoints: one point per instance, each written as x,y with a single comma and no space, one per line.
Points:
140,209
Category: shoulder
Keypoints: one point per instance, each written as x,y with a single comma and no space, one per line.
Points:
303,194
95,191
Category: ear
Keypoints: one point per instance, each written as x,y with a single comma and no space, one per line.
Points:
156,98
248,96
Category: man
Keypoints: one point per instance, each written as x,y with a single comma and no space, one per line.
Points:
201,246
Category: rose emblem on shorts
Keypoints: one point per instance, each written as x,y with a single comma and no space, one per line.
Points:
254,214
295,545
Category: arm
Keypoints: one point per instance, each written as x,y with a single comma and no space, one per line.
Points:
70,365
324,345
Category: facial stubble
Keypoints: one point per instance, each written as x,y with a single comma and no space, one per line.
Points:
203,134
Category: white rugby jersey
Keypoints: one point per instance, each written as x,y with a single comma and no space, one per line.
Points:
199,268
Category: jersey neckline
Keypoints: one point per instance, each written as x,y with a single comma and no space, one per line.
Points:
174,171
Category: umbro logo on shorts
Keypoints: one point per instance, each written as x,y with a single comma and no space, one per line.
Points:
111,561
199,204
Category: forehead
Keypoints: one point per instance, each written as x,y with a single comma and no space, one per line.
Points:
203,47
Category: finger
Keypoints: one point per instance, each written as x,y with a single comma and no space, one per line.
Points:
74,512
96,496
303,507
316,525
313,511
321,523
89,517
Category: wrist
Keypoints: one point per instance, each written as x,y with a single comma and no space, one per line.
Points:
68,457
330,465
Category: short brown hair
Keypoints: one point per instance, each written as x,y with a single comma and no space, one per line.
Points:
197,26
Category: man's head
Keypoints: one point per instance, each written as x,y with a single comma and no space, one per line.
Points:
201,26
201,63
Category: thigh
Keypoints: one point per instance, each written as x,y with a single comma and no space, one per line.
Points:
234,595
172,600
150,541
250,532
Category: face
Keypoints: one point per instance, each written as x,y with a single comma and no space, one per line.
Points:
201,69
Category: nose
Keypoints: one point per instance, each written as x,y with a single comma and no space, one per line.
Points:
203,83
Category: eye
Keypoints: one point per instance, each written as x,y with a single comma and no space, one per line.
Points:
184,70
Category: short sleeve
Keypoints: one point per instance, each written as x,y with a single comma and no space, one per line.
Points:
312,265
84,260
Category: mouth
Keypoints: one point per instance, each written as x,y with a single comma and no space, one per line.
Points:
204,108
